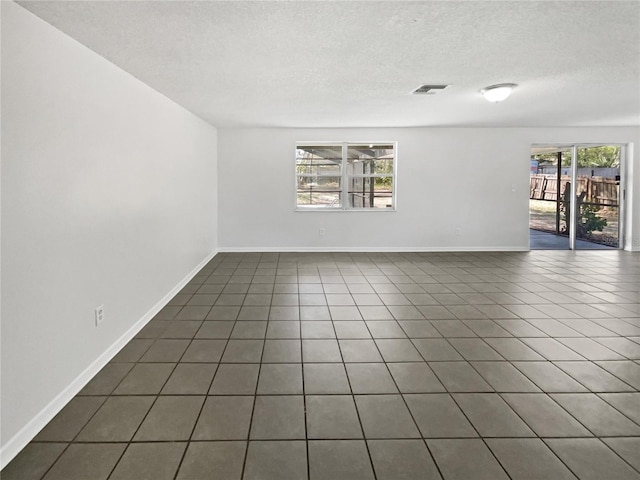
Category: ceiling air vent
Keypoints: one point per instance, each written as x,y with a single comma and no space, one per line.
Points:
428,89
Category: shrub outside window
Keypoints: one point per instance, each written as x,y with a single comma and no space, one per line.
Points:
345,176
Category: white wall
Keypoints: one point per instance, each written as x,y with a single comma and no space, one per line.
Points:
108,197
447,177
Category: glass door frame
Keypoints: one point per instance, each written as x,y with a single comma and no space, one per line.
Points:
572,214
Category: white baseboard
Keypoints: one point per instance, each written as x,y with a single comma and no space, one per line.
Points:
372,249
20,440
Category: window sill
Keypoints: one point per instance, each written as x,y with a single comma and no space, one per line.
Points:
344,210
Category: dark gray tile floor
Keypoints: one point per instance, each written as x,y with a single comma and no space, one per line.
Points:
369,366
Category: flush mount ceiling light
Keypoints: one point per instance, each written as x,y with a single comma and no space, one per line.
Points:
497,93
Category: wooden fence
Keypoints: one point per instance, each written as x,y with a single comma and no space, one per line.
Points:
600,191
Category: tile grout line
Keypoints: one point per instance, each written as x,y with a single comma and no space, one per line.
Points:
206,394
304,394
353,399
404,401
255,394
157,396
111,395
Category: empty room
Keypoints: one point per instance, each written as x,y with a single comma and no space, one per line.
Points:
320,240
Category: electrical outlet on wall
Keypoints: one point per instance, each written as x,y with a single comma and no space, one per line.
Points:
99,314
458,231
322,232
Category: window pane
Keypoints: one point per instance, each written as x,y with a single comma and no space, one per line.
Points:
370,166
320,151
318,168
319,191
368,175
372,150
370,160
370,192
319,159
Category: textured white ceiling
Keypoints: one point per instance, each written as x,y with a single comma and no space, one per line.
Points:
353,64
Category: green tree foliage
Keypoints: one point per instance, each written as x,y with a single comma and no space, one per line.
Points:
606,157
383,167
587,220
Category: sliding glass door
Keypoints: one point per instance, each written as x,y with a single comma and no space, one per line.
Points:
598,195
576,196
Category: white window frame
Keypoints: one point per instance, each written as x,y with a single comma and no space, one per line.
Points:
344,176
